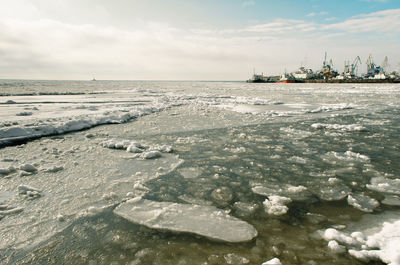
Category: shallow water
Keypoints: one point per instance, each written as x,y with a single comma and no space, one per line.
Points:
235,145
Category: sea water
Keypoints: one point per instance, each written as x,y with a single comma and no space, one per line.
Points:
293,173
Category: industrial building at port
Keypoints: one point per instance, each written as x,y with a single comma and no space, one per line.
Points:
327,74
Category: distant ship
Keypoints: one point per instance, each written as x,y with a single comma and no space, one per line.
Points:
94,79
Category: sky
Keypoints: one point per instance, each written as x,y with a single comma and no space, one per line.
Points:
191,40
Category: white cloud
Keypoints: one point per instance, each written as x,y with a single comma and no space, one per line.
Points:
381,21
45,48
330,18
380,1
248,3
313,14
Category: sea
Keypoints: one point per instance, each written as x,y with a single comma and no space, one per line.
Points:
195,172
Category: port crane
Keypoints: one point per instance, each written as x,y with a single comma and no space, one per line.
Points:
354,66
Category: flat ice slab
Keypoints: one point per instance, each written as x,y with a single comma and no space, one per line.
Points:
206,221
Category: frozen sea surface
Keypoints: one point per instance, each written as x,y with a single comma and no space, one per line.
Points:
226,173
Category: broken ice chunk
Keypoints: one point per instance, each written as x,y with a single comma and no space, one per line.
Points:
165,149
335,247
206,221
362,202
7,171
53,169
333,193
333,234
276,205
188,199
23,189
391,200
151,155
29,192
385,185
296,193
28,168
222,196
245,209
134,149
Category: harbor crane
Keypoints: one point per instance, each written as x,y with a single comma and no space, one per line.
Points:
354,66
351,70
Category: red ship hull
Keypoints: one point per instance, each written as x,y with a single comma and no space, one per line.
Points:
286,81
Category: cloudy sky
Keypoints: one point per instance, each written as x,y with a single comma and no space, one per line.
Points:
190,39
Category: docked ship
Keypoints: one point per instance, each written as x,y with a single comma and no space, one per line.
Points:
327,74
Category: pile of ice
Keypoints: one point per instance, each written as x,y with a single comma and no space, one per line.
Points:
207,221
383,245
276,205
279,196
295,193
28,170
146,151
39,128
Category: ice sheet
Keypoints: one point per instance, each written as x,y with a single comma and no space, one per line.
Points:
206,221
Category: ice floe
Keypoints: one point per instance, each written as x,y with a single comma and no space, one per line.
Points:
206,221
146,152
192,200
385,185
393,200
332,192
222,195
245,209
362,202
336,247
